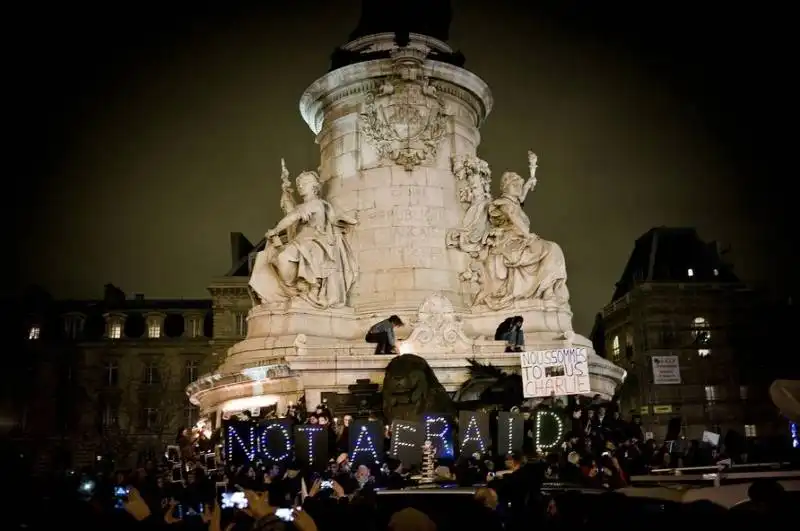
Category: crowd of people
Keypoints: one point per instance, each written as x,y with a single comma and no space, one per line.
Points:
600,452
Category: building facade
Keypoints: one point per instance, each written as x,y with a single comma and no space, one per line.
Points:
688,333
106,377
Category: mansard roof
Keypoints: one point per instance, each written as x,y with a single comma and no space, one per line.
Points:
242,254
665,254
35,300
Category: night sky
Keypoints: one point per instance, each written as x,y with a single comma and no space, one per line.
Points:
143,134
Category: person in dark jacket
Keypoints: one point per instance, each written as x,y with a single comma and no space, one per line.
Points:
382,334
511,332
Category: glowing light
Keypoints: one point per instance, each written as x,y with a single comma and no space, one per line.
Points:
310,431
370,448
472,433
396,442
248,403
510,434
263,442
795,435
249,448
540,417
446,448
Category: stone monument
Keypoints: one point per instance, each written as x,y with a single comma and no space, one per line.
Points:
398,219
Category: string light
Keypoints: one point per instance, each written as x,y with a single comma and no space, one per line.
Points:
510,448
447,449
309,432
540,415
370,449
468,435
249,450
263,442
396,442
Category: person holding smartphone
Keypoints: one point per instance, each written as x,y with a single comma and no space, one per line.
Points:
265,514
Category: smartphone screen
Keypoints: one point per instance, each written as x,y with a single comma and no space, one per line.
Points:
190,511
86,487
233,500
287,515
327,484
120,496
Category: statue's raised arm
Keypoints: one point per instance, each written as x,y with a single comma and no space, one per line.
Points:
287,197
530,184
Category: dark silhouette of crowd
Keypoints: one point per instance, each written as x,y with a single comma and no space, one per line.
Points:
568,486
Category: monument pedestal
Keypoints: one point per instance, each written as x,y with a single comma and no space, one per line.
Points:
398,138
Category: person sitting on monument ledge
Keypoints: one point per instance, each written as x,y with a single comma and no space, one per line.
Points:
382,334
511,332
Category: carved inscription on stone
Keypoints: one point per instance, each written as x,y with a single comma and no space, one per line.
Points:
418,215
427,257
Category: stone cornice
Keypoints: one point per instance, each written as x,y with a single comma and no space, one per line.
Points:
361,78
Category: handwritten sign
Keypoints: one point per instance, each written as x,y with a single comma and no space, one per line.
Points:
559,372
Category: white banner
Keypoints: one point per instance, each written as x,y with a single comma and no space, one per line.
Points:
666,370
559,372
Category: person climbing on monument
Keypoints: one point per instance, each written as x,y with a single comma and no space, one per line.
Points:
382,334
511,332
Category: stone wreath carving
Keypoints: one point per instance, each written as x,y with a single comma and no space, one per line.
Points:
404,120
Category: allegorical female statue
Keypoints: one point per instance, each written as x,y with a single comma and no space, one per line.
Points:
517,264
315,262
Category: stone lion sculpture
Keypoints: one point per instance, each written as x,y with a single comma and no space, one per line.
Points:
411,389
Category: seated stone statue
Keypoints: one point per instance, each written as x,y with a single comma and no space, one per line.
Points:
316,262
517,264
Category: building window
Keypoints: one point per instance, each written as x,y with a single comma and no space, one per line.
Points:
690,272
194,327
750,430
701,333
615,349
110,415
153,328
629,345
111,373
73,326
191,415
240,324
743,392
191,370
150,418
34,332
115,329
152,375
711,393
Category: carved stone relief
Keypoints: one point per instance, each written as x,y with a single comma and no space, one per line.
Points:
405,119
437,328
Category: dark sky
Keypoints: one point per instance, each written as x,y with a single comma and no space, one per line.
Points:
144,132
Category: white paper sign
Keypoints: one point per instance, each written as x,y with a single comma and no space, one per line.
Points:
559,372
666,370
711,438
